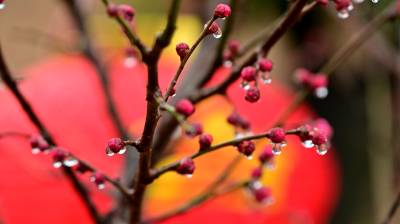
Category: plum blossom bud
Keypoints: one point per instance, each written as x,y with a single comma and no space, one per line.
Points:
58,156
238,121
266,155
256,173
186,167
214,29
222,11
38,144
185,107
182,49
323,126
246,148
127,12
252,95
99,180
205,141
277,135
262,194
115,145
305,135
82,168
112,10
314,82
195,130
234,47
265,65
320,140
342,4
248,73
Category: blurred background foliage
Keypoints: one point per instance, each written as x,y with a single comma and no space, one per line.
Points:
364,100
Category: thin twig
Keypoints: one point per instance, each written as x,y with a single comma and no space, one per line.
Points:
392,210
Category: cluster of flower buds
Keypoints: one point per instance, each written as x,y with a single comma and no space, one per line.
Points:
2,4
221,11
205,141
246,148
123,10
242,125
251,74
115,146
130,57
343,7
317,83
231,53
316,134
186,167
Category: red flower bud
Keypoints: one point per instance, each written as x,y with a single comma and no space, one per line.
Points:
186,166
182,49
234,47
197,129
127,12
265,65
185,107
262,194
252,95
82,168
112,10
213,29
222,11
99,180
115,145
205,141
342,4
58,155
248,73
277,135
246,147
256,173
322,2
318,138
266,155
38,144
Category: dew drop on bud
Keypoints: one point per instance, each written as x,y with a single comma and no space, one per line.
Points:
70,162
109,152
2,5
122,151
101,186
321,92
350,7
307,144
57,164
322,149
269,165
188,176
130,62
374,1
266,78
217,34
276,149
228,64
249,157
358,1
343,14
245,85
35,151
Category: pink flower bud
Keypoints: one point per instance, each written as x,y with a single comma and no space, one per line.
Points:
197,129
238,121
305,132
115,145
127,12
262,194
246,147
205,141
234,47
324,127
256,173
342,4
318,137
112,10
318,81
213,29
277,135
185,107
58,155
266,155
182,49
252,95
39,143
248,73
265,65
186,166
98,179
222,11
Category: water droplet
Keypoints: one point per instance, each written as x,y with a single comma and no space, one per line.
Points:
276,149
269,165
70,162
228,63
358,1
92,179
109,152
57,164
307,144
268,201
374,1
322,149
101,186
256,185
350,7
249,157
343,14
217,34
35,151
245,85
189,176
2,6
321,92
130,62
122,151
266,78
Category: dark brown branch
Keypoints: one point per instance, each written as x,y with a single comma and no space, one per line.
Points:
27,108
393,209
